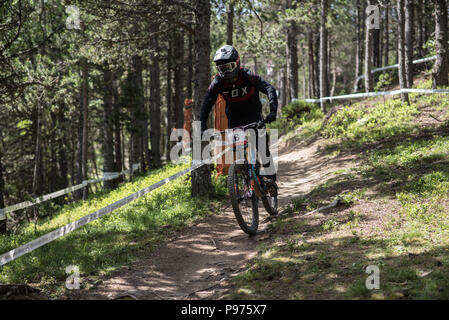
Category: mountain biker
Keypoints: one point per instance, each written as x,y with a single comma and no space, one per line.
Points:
240,88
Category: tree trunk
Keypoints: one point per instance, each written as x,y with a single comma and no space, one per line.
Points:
201,178
62,149
284,89
359,42
303,64
440,69
409,41
189,79
324,77
312,71
386,36
79,150
230,22
401,48
37,172
420,13
369,33
155,101
427,27
2,189
137,111
146,135
108,127
53,178
317,60
376,47
171,116
117,131
178,54
381,39
333,68
73,155
292,57
85,104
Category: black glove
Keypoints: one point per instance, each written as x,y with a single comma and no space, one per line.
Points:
270,118
260,124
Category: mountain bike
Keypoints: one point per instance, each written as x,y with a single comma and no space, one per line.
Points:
246,186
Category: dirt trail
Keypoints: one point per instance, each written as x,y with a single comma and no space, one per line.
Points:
201,260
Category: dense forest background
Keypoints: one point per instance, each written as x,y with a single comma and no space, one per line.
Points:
88,87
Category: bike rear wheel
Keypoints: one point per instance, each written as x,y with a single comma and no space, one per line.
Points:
243,198
270,204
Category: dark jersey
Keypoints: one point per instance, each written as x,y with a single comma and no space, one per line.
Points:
243,105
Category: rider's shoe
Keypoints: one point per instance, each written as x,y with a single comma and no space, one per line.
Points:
271,187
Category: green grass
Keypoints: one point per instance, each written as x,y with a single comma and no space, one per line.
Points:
358,124
112,240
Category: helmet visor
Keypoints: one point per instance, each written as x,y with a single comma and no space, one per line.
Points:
227,67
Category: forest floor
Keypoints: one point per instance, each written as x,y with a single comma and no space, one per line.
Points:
390,172
200,261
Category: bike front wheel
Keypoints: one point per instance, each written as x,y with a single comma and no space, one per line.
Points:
243,198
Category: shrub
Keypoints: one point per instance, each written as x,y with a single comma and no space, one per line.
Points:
296,114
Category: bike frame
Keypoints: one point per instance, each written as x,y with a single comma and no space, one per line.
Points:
252,174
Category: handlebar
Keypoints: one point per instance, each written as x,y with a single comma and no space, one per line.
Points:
254,124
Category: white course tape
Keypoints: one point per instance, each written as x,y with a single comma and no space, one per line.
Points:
53,235
395,66
376,94
107,176
50,196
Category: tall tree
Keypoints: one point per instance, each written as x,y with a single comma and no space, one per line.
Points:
230,22
62,147
85,107
189,78
171,113
283,85
201,178
311,65
409,41
117,129
324,76
2,187
440,69
108,126
386,35
155,98
178,74
292,55
359,41
37,172
420,13
135,100
401,48
79,146
146,160
369,33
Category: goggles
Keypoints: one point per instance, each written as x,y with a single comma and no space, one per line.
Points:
227,67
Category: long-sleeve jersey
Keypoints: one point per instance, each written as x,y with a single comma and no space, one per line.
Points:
243,105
